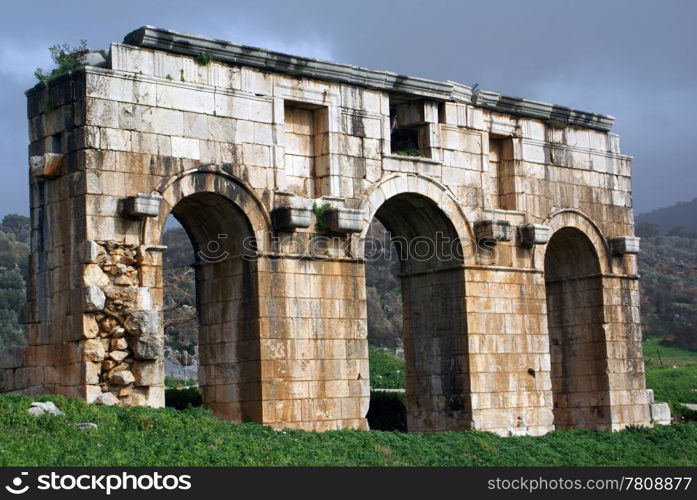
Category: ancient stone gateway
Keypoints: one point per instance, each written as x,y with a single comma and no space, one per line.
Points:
527,322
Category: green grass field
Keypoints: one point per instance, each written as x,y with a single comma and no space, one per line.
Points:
144,436
386,372
672,373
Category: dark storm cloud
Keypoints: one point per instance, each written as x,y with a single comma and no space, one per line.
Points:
634,60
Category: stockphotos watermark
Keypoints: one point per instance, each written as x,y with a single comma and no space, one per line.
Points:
105,483
442,247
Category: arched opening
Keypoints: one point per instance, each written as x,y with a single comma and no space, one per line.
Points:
225,343
577,340
433,310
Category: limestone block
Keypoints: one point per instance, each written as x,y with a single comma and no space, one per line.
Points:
156,397
533,234
11,357
119,344
6,380
92,392
115,139
118,356
91,252
26,377
143,323
144,298
660,413
148,372
124,377
650,396
186,148
345,220
106,399
93,350
148,347
624,245
93,299
142,205
167,121
92,371
493,230
44,407
178,96
94,276
290,218
92,58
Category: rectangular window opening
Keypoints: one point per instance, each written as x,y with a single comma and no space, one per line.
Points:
409,132
56,143
306,148
502,172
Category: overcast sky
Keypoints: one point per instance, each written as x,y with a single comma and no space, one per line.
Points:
635,60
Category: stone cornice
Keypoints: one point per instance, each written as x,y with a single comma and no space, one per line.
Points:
242,55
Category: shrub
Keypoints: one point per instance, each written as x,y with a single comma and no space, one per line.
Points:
321,211
66,59
181,399
387,412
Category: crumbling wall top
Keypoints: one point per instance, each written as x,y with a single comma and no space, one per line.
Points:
194,45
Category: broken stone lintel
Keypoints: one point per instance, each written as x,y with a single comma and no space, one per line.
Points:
533,234
345,220
46,166
142,205
93,58
621,245
493,230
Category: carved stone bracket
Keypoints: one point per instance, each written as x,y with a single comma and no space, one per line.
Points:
493,230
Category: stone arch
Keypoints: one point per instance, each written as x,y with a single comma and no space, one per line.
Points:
437,193
211,179
576,325
418,212
577,219
227,225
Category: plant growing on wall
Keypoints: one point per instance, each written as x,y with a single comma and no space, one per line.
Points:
321,212
409,152
66,59
204,58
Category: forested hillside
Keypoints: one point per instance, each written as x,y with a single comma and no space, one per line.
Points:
14,251
668,268
677,220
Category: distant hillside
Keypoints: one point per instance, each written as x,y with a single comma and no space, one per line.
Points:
679,219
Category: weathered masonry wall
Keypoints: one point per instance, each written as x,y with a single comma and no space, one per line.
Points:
239,149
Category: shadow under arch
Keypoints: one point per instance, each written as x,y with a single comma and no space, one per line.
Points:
575,316
226,224
434,316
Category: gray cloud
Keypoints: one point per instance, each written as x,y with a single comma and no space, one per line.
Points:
635,60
